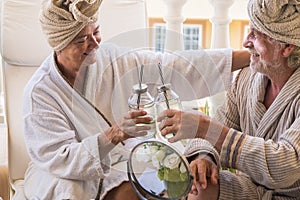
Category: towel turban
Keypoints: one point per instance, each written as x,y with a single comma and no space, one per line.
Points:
278,19
62,20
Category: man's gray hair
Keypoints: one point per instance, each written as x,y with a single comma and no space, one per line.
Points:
294,58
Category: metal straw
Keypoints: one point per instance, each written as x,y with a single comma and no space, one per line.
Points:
161,74
140,84
163,82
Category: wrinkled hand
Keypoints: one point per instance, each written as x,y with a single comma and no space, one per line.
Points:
185,125
130,125
133,123
205,172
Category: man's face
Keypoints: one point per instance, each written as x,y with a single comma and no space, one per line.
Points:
82,49
266,53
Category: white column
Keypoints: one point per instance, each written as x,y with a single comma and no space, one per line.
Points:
220,23
220,39
174,22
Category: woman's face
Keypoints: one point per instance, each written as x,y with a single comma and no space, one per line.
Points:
82,49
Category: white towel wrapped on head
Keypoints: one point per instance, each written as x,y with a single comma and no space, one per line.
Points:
62,20
279,19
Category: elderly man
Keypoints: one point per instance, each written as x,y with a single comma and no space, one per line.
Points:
257,130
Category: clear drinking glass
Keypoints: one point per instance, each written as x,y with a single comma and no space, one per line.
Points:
141,99
166,99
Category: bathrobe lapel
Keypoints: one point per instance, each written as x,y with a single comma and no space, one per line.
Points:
269,120
85,118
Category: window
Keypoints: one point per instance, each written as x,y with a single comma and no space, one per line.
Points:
159,36
197,33
193,34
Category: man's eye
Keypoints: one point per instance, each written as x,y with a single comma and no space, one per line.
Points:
252,34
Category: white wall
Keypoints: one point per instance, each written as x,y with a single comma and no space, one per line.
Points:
198,9
3,127
3,144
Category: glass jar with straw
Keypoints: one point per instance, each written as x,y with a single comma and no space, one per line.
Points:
141,99
166,97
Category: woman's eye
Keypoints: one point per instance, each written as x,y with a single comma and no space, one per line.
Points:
97,33
81,40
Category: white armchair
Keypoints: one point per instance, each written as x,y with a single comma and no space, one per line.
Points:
23,47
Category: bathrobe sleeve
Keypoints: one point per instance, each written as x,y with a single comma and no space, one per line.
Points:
193,74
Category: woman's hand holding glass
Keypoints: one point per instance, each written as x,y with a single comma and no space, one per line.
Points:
132,124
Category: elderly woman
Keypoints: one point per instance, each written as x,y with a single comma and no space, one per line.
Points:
258,128
75,129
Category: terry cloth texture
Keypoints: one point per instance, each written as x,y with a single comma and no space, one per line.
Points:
278,19
62,20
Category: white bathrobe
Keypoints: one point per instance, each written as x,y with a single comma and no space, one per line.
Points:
62,124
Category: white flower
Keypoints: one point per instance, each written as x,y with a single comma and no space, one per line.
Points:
171,161
182,168
157,158
152,149
160,154
143,155
155,162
